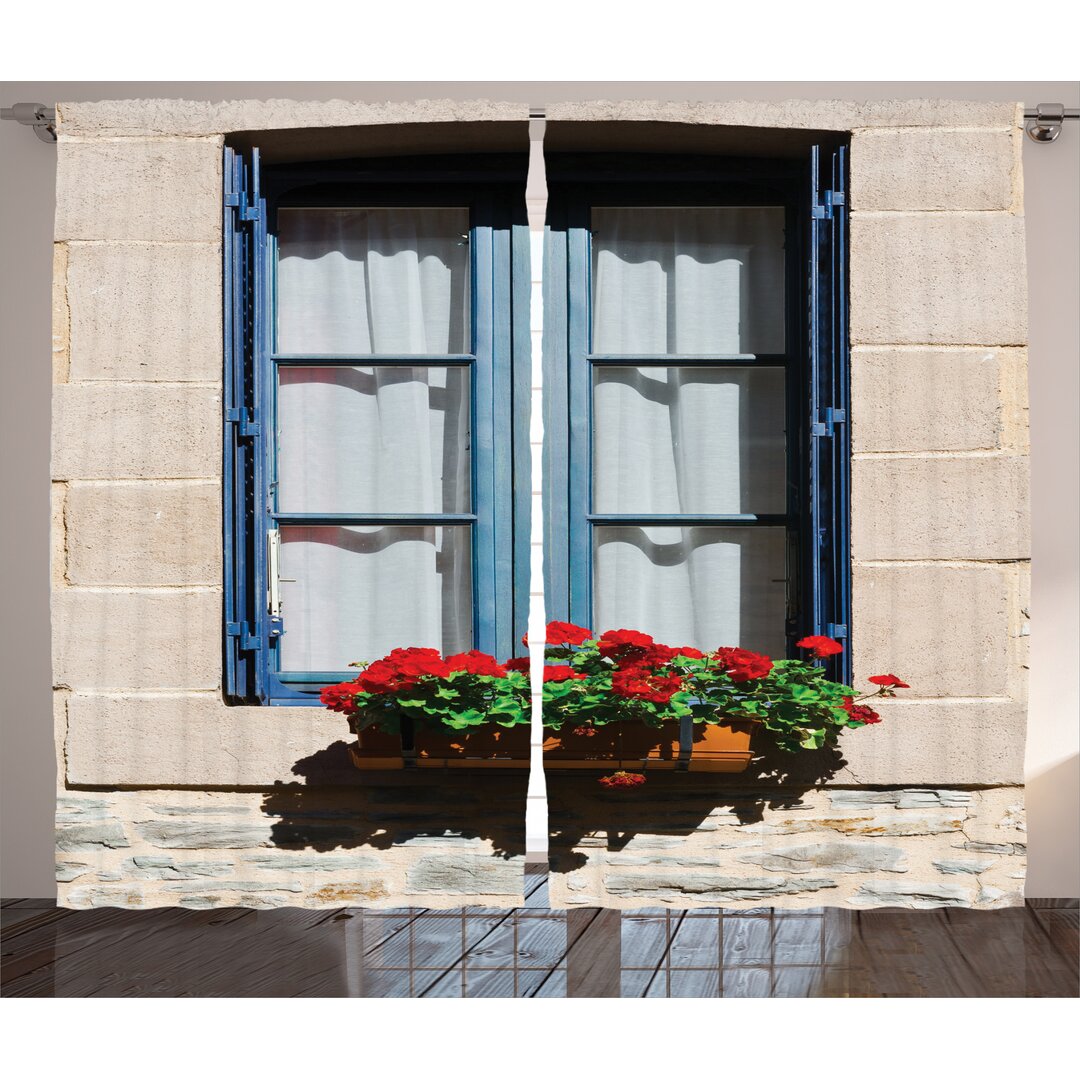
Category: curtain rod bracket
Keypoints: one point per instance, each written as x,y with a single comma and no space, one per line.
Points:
1044,123
32,113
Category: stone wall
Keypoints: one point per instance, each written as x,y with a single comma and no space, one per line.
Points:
938,329
437,843
685,842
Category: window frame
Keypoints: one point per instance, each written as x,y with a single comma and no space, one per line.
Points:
491,186
818,588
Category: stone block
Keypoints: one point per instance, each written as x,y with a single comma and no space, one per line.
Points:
69,871
192,740
110,639
823,115
58,534
940,507
144,533
312,863
901,799
837,857
168,116
467,874
672,886
944,629
145,312
932,169
910,894
61,315
952,742
910,399
138,189
105,431
963,866
938,279
91,836
204,835
167,868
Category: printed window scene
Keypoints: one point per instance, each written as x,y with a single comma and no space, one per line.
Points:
561,501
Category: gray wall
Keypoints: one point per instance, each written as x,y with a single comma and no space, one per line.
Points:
26,210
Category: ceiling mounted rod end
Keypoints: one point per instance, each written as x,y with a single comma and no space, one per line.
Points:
33,114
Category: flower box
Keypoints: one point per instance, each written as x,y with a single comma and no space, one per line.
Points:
633,744
487,746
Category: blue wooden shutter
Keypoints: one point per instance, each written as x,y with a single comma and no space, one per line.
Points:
244,247
829,450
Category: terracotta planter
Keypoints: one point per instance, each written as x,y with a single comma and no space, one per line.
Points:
719,747
488,747
613,746
645,747
565,750
722,747
375,749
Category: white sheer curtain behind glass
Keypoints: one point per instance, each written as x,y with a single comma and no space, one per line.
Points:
356,592
359,281
373,440
689,439
376,440
688,279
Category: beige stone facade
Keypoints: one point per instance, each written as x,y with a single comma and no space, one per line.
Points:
940,525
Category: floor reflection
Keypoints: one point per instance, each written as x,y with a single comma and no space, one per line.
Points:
534,951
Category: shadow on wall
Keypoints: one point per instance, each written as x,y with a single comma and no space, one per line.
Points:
339,807
674,804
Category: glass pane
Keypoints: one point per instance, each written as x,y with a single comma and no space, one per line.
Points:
704,587
376,440
390,280
689,440
356,592
693,279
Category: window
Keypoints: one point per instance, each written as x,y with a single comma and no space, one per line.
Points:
376,406
375,395
696,476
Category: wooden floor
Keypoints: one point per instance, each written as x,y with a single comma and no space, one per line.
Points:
534,951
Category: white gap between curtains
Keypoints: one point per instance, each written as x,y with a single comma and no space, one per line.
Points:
375,440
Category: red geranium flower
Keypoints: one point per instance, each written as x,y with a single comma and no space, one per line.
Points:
820,646
476,663
742,665
862,713
560,673
622,779
340,697
621,642
890,682
517,663
382,677
693,654
639,682
564,633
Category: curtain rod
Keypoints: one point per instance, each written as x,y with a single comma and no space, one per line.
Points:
1044,121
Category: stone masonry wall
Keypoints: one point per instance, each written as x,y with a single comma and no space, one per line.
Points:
150,760
671,845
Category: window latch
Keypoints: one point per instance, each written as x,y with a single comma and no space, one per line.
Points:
273,589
